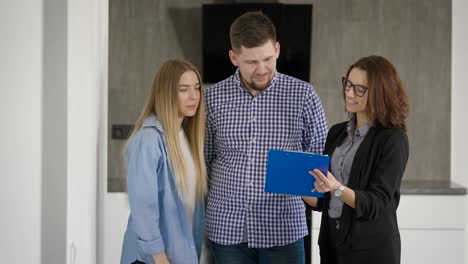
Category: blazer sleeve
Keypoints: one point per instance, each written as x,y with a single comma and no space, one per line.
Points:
143,157
385,179
320,205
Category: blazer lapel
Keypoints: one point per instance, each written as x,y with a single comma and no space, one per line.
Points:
339,139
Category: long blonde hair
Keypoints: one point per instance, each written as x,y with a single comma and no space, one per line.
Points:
163,103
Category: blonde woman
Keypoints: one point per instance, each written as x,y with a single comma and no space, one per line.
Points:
166,173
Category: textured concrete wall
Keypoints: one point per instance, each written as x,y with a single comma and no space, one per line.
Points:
414,35
143,34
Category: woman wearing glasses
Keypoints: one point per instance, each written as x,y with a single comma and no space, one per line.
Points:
368,158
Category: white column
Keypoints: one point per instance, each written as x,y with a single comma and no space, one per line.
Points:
459,124
83,122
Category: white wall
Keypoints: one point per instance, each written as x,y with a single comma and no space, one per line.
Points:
20,133
26,78
82,116
105,246
459,126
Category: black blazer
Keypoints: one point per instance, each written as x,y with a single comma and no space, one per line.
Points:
369,233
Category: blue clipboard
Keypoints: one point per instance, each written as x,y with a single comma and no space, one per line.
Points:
288,172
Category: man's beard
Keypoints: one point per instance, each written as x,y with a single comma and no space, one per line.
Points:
256,87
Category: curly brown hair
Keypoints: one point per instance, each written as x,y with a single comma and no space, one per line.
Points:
387,100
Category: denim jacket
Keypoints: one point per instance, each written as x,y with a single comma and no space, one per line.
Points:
158,221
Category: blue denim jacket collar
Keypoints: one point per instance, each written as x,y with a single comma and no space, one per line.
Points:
152,121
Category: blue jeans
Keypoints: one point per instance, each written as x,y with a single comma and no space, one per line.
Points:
241,254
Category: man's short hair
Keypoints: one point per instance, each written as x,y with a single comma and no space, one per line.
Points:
251,29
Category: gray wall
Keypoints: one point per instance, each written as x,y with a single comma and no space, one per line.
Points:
414,35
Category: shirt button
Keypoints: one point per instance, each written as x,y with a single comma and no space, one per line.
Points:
252,140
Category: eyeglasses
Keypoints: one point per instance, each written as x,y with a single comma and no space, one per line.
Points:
359,90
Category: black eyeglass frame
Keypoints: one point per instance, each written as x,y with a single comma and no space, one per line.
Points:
359,90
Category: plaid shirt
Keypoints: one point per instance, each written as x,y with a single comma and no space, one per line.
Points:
241,129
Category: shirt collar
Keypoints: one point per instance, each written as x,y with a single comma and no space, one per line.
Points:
152,121
360,132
